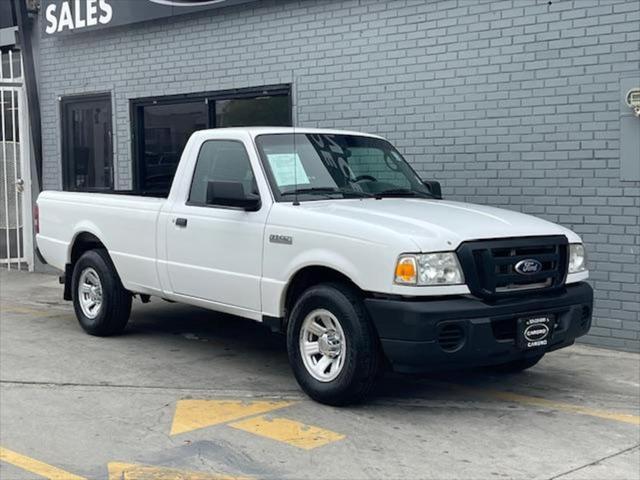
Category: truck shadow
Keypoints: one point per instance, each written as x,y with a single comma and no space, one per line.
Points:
234,340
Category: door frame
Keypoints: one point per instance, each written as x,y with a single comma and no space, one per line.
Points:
65,102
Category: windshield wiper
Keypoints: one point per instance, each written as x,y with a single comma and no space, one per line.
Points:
326,191
401,192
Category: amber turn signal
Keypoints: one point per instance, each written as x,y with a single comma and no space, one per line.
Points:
406,271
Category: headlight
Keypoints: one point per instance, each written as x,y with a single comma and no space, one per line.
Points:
577,258
429,269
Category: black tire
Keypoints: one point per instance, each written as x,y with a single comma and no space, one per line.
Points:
114,311
517,366
362,355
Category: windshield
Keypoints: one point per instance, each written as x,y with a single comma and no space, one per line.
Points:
318,166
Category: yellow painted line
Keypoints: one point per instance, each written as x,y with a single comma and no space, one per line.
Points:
551,404
130,471
288,431
194,414
16,309
21,310
35,466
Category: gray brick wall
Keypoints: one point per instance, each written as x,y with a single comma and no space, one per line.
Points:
510,103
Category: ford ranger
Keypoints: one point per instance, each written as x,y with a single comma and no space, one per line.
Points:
333,239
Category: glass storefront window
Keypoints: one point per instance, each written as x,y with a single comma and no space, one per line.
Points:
166,131
266,111
164,124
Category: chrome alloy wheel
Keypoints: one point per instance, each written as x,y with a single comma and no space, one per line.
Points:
322,345
90,293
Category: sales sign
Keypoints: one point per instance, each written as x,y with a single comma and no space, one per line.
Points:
75,16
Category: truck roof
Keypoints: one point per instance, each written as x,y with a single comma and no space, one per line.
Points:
255,131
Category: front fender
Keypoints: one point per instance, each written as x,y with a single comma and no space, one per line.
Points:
274,290
322,258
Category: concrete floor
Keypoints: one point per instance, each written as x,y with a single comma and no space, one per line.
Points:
77,406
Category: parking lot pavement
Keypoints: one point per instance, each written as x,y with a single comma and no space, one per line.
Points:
187,393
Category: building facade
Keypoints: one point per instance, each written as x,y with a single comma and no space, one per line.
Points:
518,104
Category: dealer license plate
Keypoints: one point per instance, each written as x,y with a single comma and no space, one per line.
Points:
535,332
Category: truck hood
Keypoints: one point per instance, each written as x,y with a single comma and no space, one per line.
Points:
438,224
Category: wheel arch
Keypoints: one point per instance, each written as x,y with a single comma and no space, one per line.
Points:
307,277
82,242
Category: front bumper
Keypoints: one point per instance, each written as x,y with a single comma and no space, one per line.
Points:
444,333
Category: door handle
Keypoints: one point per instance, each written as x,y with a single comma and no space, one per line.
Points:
181,222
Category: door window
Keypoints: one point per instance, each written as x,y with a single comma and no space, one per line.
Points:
221,161
87,152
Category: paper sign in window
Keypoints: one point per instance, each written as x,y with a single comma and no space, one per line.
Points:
287,169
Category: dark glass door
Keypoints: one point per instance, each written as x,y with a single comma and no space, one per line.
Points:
87,149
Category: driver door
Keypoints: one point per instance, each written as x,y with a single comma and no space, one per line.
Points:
214,252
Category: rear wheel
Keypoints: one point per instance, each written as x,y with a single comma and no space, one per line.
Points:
519,365
332,345
101,303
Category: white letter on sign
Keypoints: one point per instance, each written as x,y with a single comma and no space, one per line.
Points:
78,15
66,20
52,21
107,12
92,10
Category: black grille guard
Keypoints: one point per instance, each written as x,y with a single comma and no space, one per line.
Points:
489,265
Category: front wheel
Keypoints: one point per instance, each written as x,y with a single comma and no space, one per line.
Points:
101,303
332,345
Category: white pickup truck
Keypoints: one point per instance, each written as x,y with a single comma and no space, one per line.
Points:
331,237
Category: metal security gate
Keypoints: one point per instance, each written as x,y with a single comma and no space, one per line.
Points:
16,244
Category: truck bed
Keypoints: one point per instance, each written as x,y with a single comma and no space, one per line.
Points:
63,215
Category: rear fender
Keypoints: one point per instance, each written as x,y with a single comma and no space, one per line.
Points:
85,226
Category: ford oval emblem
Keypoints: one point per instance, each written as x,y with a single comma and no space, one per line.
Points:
528,266
536,332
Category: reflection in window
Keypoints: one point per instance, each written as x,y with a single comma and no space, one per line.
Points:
87,144
9,105
345,164
372,161
163,126
272,111
166,131
10,66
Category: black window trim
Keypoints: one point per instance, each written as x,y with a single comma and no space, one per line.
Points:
189,203
209,97
64,101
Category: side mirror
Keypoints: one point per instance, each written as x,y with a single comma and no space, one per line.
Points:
231,194
434,188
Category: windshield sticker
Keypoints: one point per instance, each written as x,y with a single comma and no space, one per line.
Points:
287,169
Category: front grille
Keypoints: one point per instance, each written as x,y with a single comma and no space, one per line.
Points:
489,265
450,336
